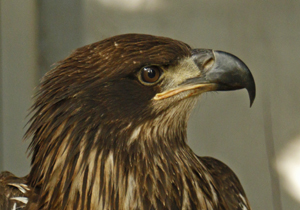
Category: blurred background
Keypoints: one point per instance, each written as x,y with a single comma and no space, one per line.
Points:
261,144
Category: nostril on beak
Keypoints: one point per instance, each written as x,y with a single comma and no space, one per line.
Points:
208,63
204,58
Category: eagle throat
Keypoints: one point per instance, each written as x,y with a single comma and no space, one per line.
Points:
134,162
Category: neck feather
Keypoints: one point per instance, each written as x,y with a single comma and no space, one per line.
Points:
117,163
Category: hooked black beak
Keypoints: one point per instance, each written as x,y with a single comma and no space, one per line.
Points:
218,71
224,70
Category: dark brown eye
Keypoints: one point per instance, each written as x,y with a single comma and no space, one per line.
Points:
150,74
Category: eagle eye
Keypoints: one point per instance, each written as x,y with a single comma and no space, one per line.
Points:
150,74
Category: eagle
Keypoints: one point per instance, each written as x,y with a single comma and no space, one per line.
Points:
109,130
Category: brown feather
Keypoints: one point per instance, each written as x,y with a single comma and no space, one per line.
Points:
100,142
12,189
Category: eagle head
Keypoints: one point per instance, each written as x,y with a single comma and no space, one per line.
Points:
123,99
136,77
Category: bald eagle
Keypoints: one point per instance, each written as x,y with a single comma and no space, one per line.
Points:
109,130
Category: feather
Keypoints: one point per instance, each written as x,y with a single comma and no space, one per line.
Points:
104,137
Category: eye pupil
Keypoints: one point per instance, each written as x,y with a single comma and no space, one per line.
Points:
150,74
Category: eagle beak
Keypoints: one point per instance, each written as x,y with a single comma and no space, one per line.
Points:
219,71
230,73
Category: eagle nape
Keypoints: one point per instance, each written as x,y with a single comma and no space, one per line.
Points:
109,130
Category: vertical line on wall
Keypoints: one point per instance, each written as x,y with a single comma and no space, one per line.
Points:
271,153
1,88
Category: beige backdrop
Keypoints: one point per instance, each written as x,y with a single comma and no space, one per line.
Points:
264,34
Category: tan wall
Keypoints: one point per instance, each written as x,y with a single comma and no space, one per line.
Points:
264,34
18,69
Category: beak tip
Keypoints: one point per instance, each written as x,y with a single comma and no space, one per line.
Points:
237,73
251,88
251,100
251,93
